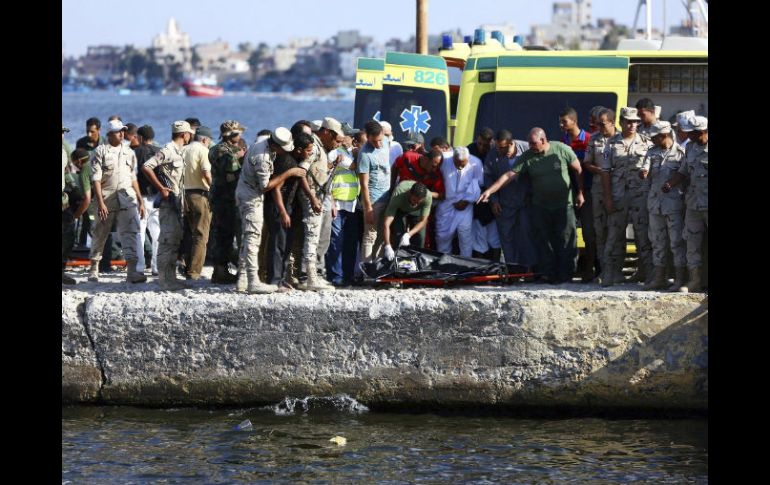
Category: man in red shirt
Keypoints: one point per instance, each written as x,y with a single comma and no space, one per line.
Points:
578,139
426,169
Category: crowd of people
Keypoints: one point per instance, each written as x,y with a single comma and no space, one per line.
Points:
299,208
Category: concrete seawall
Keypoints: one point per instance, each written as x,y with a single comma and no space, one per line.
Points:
510,346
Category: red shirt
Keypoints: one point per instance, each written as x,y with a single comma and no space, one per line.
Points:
408,168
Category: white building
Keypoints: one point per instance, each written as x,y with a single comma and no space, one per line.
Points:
173,46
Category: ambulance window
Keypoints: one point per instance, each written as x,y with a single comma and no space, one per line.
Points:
367,105
668,78
422,109
519,112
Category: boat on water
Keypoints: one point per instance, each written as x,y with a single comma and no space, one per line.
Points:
202,88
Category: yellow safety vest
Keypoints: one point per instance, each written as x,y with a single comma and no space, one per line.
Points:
345,186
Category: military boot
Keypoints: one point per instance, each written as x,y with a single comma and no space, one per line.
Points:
658,280
316,283
222,275
167,278
93,271
134,276
680,272
257,287
693,284
242,281
290,276
66,280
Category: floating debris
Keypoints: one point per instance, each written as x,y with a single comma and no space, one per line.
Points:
243,426
339,440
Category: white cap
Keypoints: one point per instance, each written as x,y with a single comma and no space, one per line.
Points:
282,136
115,125
315,125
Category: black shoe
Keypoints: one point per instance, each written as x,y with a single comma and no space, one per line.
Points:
68,280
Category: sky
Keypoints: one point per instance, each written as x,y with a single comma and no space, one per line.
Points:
94,22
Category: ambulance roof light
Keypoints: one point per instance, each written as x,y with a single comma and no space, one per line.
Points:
446,41
479,37
496,34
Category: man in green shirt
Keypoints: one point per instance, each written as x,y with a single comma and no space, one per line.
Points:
410,200
553,218
78,190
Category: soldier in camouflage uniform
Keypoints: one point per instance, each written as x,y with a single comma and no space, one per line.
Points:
646,110
170,184
695,168
118,197
625,199
254,181
225,158
666,209
605,120
318,172
67,222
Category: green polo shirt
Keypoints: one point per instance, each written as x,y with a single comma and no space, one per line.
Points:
549,174
399,202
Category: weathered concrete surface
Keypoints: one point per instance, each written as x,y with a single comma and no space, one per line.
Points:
511,346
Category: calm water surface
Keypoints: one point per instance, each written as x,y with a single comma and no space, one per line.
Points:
129,445
159,111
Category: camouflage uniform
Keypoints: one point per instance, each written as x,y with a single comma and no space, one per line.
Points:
115,168
629,196
666,209
170,171
225,169
317,176
249,196
696,219
594,156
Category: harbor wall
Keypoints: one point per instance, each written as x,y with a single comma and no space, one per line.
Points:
484,346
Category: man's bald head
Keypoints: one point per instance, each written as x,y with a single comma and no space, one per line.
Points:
538,142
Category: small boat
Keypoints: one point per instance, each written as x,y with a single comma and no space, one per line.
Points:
202,88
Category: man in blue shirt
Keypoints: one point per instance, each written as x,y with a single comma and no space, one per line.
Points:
374,177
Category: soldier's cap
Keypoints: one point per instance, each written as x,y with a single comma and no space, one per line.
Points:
64,128
414,139
348,130
181,126
315,125
331,124
230,127
658,109
629,113
115,125
681,117
146,132
204,131
660,128
282,137
694,123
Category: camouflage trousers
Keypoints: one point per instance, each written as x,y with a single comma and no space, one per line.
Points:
128,230
695,224
631,210
600,229
325,238
665,233
252,219
170,234
311,222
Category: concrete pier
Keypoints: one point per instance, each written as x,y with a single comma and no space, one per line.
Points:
525,345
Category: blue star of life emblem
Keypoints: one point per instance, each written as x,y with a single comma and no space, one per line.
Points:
415,120
376,116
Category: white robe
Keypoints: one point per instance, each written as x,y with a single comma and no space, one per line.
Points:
459,185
